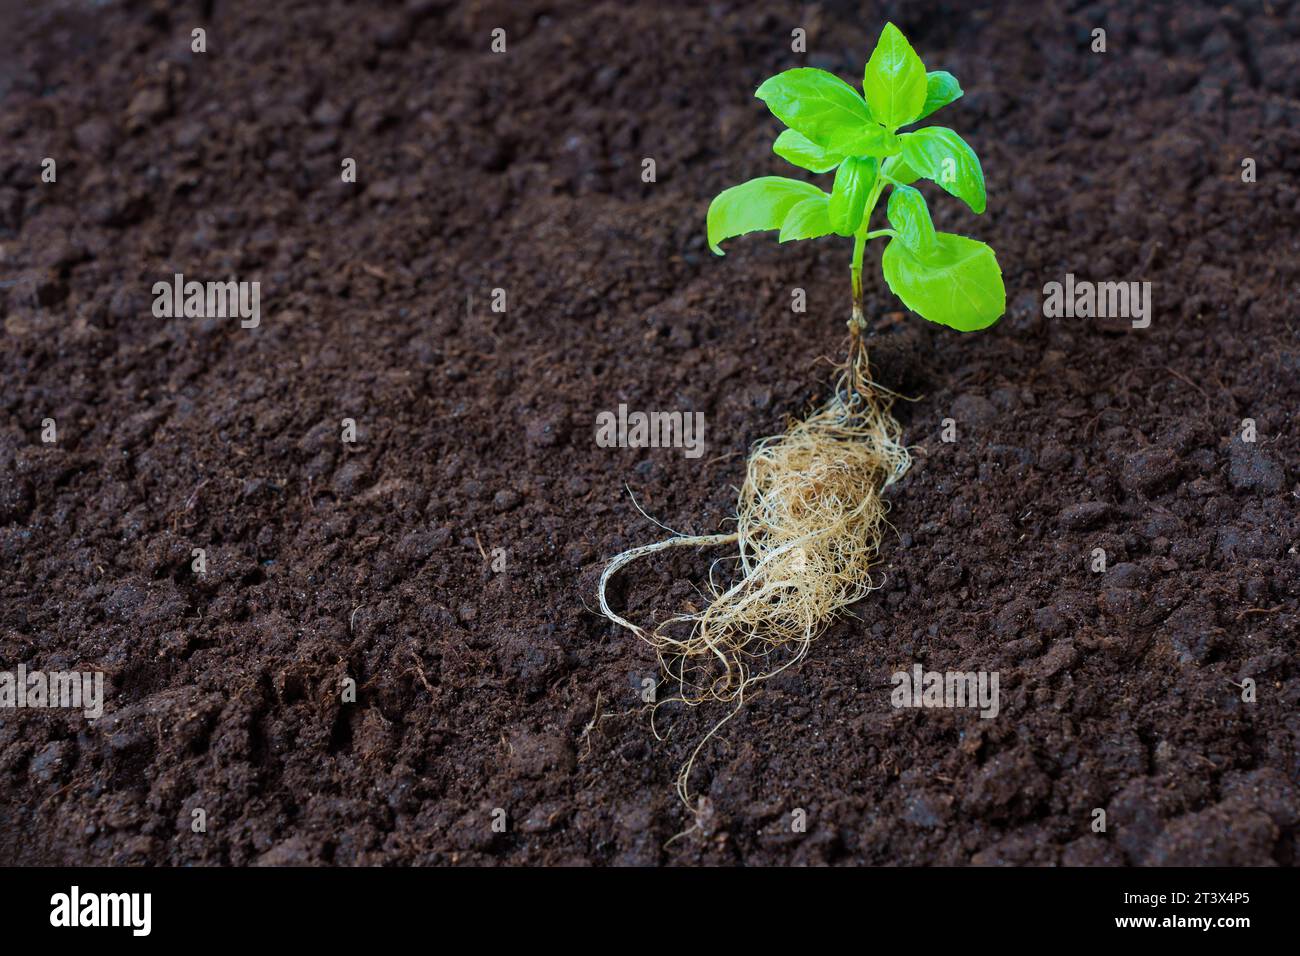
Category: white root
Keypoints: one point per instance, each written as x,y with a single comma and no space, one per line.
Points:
808,530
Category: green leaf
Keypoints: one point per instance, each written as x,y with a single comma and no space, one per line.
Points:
938,153
753,206
894,81
818,104
807,220
898,170
957,284
941,88
910,217
794,147
871,140
853,182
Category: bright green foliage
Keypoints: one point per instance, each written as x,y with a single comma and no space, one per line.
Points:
756,205
957,282
945,278
853,182
827,110
941,155
910,217
895,80
941,88
808,219
799,150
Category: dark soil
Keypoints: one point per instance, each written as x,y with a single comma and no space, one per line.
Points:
477,689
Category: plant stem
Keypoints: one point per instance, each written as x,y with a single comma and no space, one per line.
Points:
857,321
857,374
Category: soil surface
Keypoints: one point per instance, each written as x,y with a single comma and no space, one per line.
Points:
446,561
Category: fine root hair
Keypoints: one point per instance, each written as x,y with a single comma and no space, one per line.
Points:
809,524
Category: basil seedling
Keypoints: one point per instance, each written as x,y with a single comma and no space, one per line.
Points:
809,518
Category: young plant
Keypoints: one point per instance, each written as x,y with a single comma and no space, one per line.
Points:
810,511
941,276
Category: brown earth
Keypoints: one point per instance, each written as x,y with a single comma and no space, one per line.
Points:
521,171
